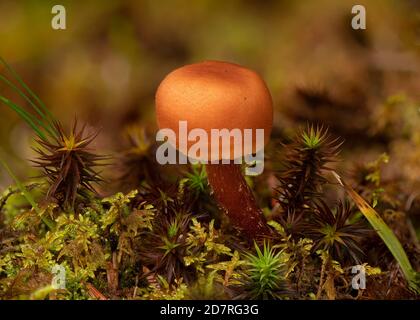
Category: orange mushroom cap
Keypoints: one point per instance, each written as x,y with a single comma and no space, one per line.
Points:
215,95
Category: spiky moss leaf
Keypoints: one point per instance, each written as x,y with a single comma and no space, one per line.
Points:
197,179
164,247
264,274
305,162
69,164
332,231
386,234
312,138
165,198
138,161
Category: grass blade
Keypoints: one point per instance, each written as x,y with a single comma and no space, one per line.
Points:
26,194
48,127
386,234
50,117
25,116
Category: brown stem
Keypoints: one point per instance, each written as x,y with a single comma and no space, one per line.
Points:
236,198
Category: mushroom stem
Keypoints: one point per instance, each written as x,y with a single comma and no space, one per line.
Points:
234,195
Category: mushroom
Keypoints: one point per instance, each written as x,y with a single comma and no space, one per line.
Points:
220,95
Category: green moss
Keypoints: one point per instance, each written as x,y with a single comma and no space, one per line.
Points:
168,242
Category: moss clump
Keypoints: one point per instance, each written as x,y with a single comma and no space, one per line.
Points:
163,241
161,236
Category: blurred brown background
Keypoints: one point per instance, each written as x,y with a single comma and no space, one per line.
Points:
106,66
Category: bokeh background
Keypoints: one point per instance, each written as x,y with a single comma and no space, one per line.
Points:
107,64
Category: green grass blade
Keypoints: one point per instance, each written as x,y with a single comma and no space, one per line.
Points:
28,117
386,234
48,127
22,94
25,116
26,194
49,116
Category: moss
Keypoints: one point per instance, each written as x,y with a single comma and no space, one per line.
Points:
166,241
